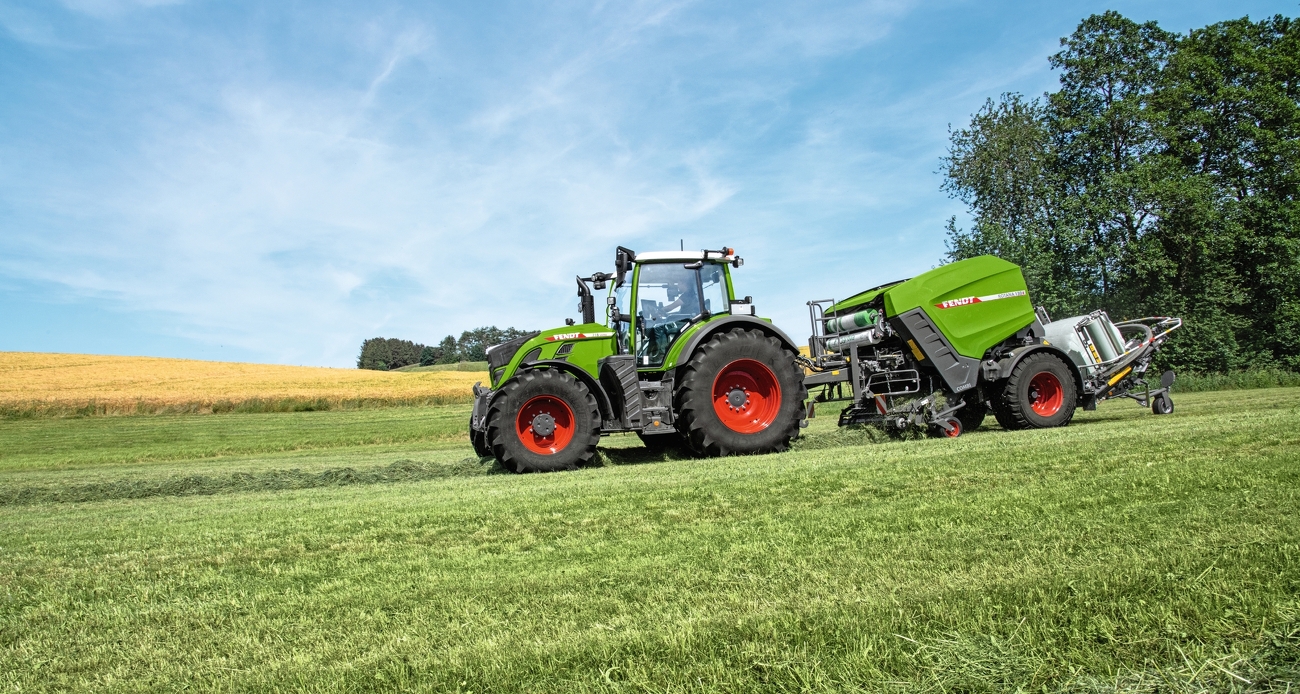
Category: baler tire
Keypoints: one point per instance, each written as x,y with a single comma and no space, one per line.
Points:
741,354
1040,393
546,390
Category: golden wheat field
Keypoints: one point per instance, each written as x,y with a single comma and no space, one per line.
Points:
42,383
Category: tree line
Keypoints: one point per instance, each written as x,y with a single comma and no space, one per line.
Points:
1161,178
383,354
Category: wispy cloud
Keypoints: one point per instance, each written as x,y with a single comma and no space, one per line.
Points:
292,179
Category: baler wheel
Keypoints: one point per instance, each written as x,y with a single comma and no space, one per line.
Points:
939,432
545,420
1039,394
741,392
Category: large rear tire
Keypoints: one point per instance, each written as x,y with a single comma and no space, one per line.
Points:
543,421
1039,394
741,392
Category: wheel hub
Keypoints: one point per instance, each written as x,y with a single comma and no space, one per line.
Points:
543,425
746,396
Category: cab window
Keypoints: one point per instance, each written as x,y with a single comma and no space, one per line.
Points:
668,296
713,280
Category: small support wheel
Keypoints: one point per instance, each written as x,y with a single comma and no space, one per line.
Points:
953,431
1162,404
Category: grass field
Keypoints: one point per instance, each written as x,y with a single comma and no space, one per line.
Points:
42,384
367,550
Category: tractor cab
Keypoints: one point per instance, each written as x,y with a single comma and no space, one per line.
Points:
668,292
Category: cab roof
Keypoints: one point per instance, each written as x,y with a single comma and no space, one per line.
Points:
682,256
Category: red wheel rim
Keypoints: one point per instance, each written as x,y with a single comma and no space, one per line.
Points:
746,396
955,431
554,441
1045,394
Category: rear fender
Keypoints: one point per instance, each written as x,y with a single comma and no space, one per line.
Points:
1002,368
713,327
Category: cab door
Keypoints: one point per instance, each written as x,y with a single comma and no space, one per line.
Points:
669,298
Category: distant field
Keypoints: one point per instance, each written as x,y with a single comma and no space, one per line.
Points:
370,550
480,366
58,384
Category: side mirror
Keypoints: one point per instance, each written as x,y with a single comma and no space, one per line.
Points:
623,258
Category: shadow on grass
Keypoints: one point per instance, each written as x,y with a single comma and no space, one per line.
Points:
262,480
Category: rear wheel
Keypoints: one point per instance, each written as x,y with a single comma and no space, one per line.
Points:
1039,394
741,392
544,420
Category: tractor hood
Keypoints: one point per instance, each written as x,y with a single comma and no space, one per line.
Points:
499,355
505,358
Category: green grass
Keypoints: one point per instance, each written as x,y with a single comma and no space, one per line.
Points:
1237,380
54,443
1125,552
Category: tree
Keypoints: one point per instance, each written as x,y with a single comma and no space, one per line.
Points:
1004,167
1163,177
388,353
448,353
473,344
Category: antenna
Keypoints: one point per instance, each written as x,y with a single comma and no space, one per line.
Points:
683,246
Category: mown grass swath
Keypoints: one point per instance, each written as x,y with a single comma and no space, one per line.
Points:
1125,552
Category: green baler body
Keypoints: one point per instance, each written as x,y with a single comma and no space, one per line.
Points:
976,303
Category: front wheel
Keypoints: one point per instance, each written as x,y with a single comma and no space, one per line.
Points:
741,392
1162,404
544,420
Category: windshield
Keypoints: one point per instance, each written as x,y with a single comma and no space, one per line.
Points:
667,297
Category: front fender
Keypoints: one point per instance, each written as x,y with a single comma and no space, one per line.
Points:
602,398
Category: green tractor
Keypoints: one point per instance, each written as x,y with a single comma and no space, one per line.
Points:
679,359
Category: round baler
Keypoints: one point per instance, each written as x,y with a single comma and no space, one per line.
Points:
940,350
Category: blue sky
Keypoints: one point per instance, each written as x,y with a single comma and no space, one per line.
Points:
276,182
